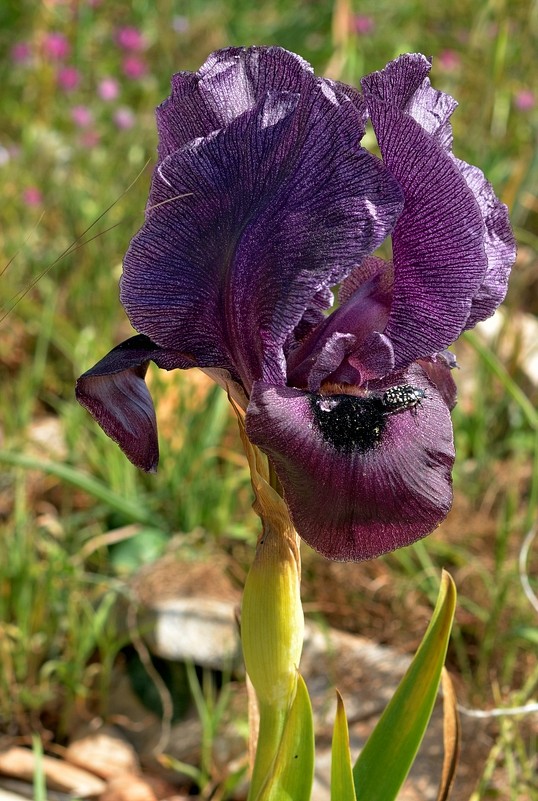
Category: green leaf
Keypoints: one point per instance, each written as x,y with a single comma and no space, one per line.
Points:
145,546
342,787
293,770
386,758
529,633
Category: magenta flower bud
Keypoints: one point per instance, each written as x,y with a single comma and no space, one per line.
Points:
68,78
108,89
134,67
56,46
130,38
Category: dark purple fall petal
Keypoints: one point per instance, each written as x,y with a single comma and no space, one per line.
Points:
358,504
115,393
444,267
248,224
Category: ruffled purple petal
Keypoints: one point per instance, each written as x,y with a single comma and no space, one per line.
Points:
365,481
116,395
334,351
440,246
364,314
499,244
432,110
247,225
229,83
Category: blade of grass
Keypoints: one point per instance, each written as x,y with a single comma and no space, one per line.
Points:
497,367
83,481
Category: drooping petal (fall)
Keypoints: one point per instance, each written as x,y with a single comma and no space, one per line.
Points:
115,393
359,480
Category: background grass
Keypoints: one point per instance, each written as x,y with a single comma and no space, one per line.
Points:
74,171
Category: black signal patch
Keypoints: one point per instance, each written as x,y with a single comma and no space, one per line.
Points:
356,424
349,423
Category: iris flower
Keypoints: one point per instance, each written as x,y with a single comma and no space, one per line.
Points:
264,213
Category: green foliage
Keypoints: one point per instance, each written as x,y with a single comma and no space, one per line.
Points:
40,786
386,758
212,707
58,638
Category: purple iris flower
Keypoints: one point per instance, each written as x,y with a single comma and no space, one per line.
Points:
261,202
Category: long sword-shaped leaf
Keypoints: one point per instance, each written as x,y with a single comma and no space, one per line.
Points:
342,787
390,751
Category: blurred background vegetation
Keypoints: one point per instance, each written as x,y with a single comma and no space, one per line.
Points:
80,80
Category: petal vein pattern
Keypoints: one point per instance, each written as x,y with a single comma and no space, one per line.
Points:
264,215
445,273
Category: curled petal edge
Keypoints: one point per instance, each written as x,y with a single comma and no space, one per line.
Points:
114,392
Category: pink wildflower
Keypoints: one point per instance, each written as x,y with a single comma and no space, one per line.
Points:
124,118
363,24
525,100
449,60
108,89
56,46
134,67
68,78
130,38
21,53
32,196
81,116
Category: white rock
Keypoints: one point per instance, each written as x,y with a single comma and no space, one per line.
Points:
200,630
